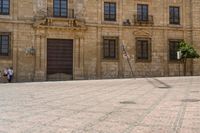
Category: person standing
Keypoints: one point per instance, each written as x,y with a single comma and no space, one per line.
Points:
10,74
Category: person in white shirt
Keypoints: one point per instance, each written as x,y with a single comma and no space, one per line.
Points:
10,74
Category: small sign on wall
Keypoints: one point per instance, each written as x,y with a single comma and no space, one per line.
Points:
179,55
30,51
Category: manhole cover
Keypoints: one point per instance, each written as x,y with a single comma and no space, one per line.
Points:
128,102
191,100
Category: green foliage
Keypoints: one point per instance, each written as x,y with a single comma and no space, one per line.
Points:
188,51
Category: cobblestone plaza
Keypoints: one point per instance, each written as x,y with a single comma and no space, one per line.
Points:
151,105
45,40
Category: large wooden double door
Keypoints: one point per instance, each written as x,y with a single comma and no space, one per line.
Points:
59,59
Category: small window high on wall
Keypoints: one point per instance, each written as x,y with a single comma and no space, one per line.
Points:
110,11
142,12
4,7
174,15
60,8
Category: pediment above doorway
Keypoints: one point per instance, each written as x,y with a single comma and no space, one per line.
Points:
143,33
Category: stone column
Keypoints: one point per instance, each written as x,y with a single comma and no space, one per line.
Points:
120,30
165,40
39,64
78,57
15,52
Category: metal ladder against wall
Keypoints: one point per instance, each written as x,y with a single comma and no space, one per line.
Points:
125,53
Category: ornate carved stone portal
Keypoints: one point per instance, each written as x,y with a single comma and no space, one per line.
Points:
60,23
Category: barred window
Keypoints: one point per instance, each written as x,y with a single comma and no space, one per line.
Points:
110,48
174,15
173,48
142,12
109,11
60,8
143,49
4,7
4,44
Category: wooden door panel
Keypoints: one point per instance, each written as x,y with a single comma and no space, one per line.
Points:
59,56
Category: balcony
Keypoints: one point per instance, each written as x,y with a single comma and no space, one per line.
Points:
140,20
64,20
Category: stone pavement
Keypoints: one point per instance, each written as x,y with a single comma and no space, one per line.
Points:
151,105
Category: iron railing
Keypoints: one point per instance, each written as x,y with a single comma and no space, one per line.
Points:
140,20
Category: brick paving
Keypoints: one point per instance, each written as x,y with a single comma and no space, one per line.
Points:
151,105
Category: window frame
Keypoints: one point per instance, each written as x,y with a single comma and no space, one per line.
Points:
149,54
143,19
9,44
172,19
109,18
169,49
60,9
116,48
2,7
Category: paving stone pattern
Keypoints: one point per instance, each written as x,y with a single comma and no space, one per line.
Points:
146,105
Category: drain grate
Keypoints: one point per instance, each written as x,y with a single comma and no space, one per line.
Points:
127,102
191,100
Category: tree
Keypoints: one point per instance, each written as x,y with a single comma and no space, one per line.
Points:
188,52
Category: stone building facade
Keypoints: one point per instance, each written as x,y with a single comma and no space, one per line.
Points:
89,39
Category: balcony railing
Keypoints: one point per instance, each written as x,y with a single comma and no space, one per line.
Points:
68,13
140,20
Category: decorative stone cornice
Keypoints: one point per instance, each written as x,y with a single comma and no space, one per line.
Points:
60,23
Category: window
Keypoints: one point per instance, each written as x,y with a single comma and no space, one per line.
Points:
174,15
173,48
109,11
110,48
4,44
143,49
142,12
60,8
4,7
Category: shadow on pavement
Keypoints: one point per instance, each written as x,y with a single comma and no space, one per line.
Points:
158,83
